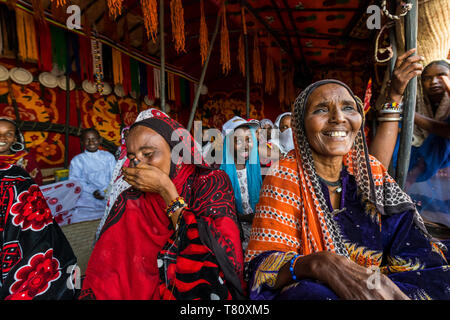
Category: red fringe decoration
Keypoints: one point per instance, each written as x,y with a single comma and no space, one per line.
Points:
86,59
203,39
225,60
45,42
257,69
150,12
177,18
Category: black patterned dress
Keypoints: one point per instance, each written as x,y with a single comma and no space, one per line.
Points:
37,261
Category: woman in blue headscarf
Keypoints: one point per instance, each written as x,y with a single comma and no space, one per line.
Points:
241,162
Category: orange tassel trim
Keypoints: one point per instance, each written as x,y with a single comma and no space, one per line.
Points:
26,36
115,7
257,70
150,12
203,39
177,18
117,67
225,60
60,3
270,72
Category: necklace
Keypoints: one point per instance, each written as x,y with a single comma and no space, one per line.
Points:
337,184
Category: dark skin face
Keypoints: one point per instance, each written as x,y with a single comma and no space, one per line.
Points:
91,141
331,121
285,123
268,129
147,146
7,137
433,83
150,159
242,145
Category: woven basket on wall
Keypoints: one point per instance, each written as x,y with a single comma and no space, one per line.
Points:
81,237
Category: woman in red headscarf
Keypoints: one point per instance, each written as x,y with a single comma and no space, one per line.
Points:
174,233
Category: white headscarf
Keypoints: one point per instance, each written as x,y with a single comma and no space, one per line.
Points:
285,142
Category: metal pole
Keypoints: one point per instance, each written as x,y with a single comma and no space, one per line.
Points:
162,86
202,77
409,105
393,42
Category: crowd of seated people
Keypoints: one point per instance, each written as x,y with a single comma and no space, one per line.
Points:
319,224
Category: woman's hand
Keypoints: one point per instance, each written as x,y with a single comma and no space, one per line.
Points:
351,281
151,179
347,279
406,67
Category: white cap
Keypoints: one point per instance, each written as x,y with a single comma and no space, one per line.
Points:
237,121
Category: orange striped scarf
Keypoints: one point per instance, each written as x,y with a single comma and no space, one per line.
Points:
288,215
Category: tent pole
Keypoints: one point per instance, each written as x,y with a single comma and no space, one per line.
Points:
163,58
202,77
409,105
393,43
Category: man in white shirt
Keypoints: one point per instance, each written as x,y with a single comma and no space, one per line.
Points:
93,170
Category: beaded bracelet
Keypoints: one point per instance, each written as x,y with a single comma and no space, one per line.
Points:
392,107
291,267
175,205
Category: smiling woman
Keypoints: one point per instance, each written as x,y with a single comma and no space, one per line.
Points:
12,149
331,221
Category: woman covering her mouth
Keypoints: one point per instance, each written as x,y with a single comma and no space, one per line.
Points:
170,230
13,151
330,219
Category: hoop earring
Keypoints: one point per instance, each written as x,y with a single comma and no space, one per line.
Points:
19,147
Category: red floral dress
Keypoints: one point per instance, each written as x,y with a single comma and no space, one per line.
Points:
37,261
